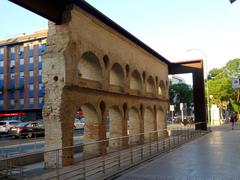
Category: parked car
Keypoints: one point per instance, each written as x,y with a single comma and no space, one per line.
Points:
79,123
6,125
28,129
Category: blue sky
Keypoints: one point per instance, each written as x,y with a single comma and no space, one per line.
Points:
169,27
15,20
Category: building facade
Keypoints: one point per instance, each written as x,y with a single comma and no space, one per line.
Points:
21,88
120,84
173,79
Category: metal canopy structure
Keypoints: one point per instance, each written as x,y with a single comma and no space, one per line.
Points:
53,10
196,68
232,1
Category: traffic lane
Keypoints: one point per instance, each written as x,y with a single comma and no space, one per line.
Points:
30,145
8,140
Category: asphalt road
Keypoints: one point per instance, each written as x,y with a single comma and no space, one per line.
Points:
10,146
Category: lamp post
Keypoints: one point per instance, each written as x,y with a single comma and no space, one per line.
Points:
205,70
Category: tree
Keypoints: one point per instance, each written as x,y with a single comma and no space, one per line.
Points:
220,86
181,93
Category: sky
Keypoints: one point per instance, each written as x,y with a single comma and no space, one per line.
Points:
209,28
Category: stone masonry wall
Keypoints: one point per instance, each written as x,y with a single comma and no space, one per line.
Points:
81,58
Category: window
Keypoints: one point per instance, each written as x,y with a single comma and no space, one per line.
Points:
30,46
1,102
1,76
21,49
40,100
21,101
12,102
40,86
40,72
12,75
21,61
21,74
1,50
31,73
12,63
39,58
1,63
31,87
31,100
12,49
31,60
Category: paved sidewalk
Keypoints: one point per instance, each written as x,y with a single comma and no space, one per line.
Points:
213,156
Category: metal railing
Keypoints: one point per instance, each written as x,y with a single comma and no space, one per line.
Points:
105,158
10,146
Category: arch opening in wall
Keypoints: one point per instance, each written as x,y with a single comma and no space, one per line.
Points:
134,127
115,126
89,67
135,81
127,69
167,89
166,83
90,118
161,89
156,78
106,61
117,75
150,85
144,76
161,124
148,124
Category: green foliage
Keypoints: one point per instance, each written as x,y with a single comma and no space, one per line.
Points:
235,106
180,93
214,72
220,88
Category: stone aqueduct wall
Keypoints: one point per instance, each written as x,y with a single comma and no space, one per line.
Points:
89,65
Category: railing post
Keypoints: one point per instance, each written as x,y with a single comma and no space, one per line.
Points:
103,164
174,144
131,155
169,143
84,163
185,135
164,145
119,154
158,141
150,144
57,163
178,137
35,142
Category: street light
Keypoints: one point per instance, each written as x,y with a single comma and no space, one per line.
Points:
207,92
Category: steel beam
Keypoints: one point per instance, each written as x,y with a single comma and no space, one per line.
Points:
196,68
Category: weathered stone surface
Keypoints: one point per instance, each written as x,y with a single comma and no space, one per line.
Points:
120,87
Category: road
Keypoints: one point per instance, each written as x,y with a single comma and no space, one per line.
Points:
10,146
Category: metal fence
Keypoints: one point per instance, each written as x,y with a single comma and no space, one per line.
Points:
100,159
11,146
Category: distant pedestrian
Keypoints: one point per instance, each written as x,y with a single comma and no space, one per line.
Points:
233,119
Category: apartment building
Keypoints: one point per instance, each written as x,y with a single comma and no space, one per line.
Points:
21,88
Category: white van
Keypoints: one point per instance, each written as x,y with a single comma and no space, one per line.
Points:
7,124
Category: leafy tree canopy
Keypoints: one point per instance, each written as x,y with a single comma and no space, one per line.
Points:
180,93
220,88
